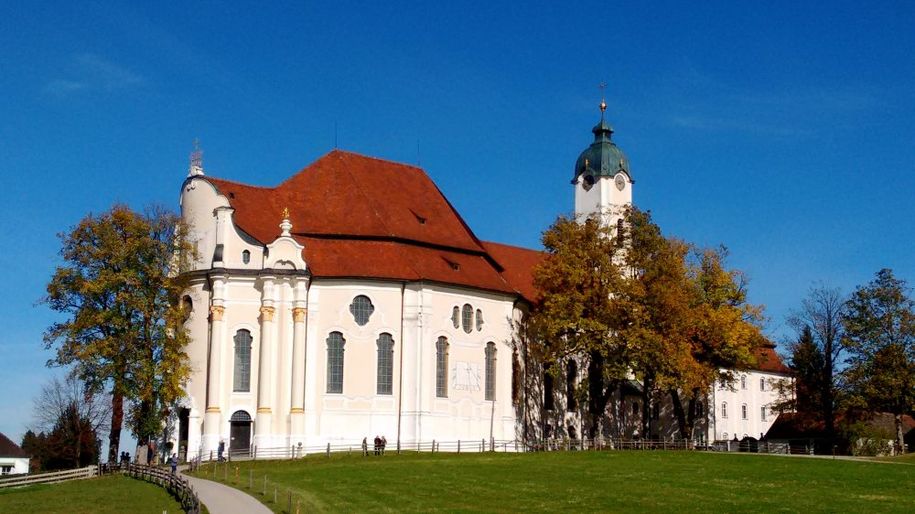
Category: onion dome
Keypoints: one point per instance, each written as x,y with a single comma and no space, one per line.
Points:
603,158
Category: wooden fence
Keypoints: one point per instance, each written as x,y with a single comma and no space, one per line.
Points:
50,478
176,485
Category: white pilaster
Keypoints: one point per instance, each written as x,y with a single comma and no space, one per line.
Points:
297,407
263,428
213,416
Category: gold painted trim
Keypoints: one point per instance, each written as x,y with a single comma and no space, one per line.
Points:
263,410
213,409
216,312
297,410
298,314
267,313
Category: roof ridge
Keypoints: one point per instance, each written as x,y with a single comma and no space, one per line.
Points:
512,246
234,182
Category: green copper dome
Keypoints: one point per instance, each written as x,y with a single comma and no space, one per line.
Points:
603,158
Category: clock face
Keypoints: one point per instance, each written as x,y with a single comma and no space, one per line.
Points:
620,181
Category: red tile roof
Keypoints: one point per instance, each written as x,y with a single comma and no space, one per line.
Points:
767,359
10,449
363,217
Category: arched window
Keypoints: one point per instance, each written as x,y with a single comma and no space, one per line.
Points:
762,383
490,371
571,377
762,413
246,256
743,381
516,377
385,381
441,367
335,343
743,411
241,378
548,401
724,410
479,320
361,309
467,318
700,409
187,307
456,316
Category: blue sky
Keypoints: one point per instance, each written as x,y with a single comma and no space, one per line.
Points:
785,132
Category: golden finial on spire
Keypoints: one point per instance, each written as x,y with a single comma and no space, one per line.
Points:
285,213
603,103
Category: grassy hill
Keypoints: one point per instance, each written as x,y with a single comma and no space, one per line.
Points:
108,494
578,481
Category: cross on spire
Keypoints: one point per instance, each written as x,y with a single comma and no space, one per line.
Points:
603,102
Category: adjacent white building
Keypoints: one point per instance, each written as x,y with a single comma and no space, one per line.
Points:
13,460
352,300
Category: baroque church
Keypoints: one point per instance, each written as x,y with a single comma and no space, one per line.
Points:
352,300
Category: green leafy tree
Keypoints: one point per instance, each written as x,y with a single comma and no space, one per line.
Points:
880,336
119,287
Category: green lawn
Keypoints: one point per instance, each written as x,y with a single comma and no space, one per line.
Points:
581,481
109,494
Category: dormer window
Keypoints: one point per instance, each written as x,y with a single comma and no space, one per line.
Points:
246,256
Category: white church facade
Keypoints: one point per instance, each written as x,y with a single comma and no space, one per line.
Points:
352,300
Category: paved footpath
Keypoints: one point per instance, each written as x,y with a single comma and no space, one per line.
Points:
222,499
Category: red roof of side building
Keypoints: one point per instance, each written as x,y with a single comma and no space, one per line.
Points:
10,449
361,217
767,359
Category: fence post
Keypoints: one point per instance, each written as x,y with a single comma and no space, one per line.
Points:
459,446
328,450
398,447
482,445
433,446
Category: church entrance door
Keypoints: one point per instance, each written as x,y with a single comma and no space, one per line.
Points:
240,432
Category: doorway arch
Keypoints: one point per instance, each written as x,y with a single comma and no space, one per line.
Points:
240,432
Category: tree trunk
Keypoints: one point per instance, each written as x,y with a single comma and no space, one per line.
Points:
647,386
678,411
900,440
117,419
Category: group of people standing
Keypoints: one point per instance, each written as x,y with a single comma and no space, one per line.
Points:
380,443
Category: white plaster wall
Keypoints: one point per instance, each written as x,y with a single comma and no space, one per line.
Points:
20,465
754,397
603,197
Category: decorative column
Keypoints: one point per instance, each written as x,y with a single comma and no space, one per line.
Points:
297,407
212,421
262,430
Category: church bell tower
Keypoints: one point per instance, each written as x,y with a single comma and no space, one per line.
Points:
603,184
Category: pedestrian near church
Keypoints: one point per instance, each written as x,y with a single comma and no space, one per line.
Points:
173,462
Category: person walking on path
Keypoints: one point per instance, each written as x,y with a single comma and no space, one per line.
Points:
174,463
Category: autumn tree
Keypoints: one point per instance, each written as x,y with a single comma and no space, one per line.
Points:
631,300
575,316
879,325
119,288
